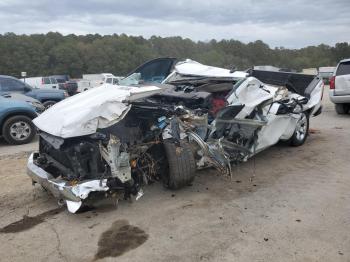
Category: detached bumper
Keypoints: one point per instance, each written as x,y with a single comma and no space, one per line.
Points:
73,195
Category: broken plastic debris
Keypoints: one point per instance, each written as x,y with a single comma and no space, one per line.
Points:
73,206
139,194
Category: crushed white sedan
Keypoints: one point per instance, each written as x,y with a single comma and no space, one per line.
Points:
111,141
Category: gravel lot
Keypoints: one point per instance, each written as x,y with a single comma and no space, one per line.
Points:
286,204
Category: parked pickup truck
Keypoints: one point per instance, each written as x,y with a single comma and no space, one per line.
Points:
16,114
67,84
41,82
339,87
48,97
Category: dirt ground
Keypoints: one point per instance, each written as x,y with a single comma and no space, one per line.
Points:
286,204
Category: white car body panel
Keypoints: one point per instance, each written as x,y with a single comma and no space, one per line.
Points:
279,127
96,108
315,100
250,94
190,67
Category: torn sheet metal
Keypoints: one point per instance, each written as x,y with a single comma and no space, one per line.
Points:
279,127
61,189
86,112
315,100
193,68
251,93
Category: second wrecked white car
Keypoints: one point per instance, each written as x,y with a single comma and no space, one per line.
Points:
111,141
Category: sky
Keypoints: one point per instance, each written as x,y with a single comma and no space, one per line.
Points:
291,24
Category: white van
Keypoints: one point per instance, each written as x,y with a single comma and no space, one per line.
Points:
100,79
83,85
111,79
41,82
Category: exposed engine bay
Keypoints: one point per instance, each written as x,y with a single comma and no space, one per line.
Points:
114,147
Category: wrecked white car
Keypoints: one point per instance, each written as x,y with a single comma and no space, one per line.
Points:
111,141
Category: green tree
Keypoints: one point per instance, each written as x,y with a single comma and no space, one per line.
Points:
53,53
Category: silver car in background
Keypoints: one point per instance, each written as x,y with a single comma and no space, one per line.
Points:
339,87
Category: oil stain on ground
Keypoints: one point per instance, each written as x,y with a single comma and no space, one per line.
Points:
120,238
28,222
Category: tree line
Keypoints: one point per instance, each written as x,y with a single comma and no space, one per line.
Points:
53,53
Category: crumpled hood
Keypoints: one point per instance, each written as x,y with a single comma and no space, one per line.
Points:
193,68
84,113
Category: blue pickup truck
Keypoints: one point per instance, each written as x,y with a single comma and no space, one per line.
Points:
16,114
47,97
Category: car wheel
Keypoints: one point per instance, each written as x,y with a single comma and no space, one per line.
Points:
182,166
301,131
48,104
18,130
341,108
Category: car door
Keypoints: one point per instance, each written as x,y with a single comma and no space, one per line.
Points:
49,82
46,82
342,79
9,85
156,70
54,83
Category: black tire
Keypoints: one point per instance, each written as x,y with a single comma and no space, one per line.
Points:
182,165
341,108
25,133
302,127
48,104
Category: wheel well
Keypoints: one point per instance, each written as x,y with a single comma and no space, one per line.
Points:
27,114
46,100
309,111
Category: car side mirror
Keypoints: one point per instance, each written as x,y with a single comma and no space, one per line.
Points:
27,88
